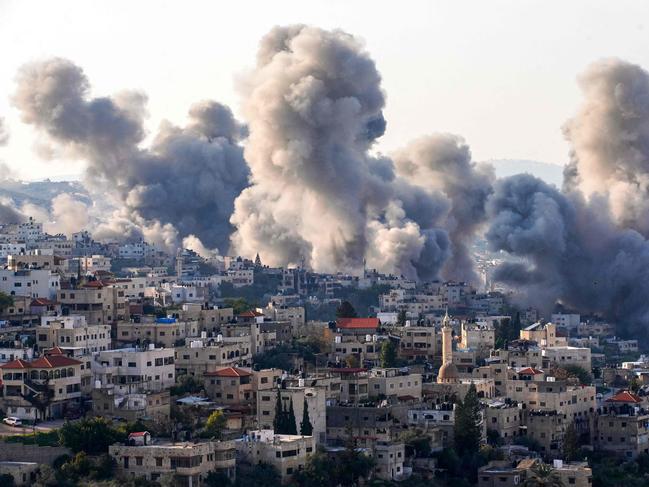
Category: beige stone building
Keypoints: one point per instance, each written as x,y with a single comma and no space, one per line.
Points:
565,355
543,334
164,332
72,332
190,463
23,473
200,356
419,341
503,474
479,337
623,425
287,453
100,303
55,375
392,383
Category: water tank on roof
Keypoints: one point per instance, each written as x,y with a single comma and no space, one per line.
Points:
203,334
219,338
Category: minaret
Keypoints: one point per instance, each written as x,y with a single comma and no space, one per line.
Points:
447,340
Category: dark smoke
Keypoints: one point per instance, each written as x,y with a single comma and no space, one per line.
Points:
188,178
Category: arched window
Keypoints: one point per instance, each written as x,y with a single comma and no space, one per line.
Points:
64,373
43,374
57,374
70,372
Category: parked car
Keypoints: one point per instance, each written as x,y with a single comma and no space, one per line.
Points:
13,421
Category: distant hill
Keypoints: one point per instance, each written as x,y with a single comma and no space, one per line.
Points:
40,192
550,173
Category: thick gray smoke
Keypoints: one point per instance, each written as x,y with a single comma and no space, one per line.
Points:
314,108
442,164
188,177
573,252
610,140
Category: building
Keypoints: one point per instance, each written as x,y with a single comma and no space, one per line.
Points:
165,332
200,356
394,383
287,453
623,425
566,355
33,283
72,332
25,385
189,463
23,473
543,334
503,474
230,385
100,302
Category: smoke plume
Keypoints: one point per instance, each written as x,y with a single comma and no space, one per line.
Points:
4,132
314,105
188,178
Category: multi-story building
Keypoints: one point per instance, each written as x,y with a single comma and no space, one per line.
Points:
419,341
72,332
479,337
393,383
623,425
566,355
33,283
164,332
100,302
287,453
205,355
545,335
26,384
189,463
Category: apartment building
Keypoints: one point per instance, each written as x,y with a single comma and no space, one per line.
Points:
287,453
189,463
391,382
72,332
230,385
545,335
100,302
201,356
566,355
24,382
623,425
165,332
419,341
33,283
480,337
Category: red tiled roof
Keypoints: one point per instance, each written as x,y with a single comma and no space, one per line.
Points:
138,433
250,314
530,371
42,302
16,364
52,361
357,323
229,372
625,396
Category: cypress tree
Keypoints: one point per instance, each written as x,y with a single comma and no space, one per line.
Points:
306,428
291,427
467,423
278,422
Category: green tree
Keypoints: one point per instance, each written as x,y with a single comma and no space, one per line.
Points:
543,475
238,305
92,436
261,475
279,423
290,419
346,310
402,317
215,424
7,480
352,361
217,479
306,428
571,443
467,431
6,300
388,354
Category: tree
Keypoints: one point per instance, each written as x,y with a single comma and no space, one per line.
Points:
238,305
279,423
290,419
571,444
306,428
92,436
467,430
352,361
5,301
215,424
388,355
402,317
7,480
217,479
543,475
346,310
261,475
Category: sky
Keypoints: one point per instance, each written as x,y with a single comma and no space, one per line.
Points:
500,73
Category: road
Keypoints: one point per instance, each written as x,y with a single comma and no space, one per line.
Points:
6,430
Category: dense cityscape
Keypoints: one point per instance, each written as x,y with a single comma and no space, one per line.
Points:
244,244
122,361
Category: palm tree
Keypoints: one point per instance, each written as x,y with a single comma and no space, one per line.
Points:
543,475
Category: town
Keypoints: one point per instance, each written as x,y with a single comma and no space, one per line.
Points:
122,362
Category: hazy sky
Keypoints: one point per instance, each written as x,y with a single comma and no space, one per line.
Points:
500,73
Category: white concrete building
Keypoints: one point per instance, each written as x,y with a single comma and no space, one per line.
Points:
34,283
